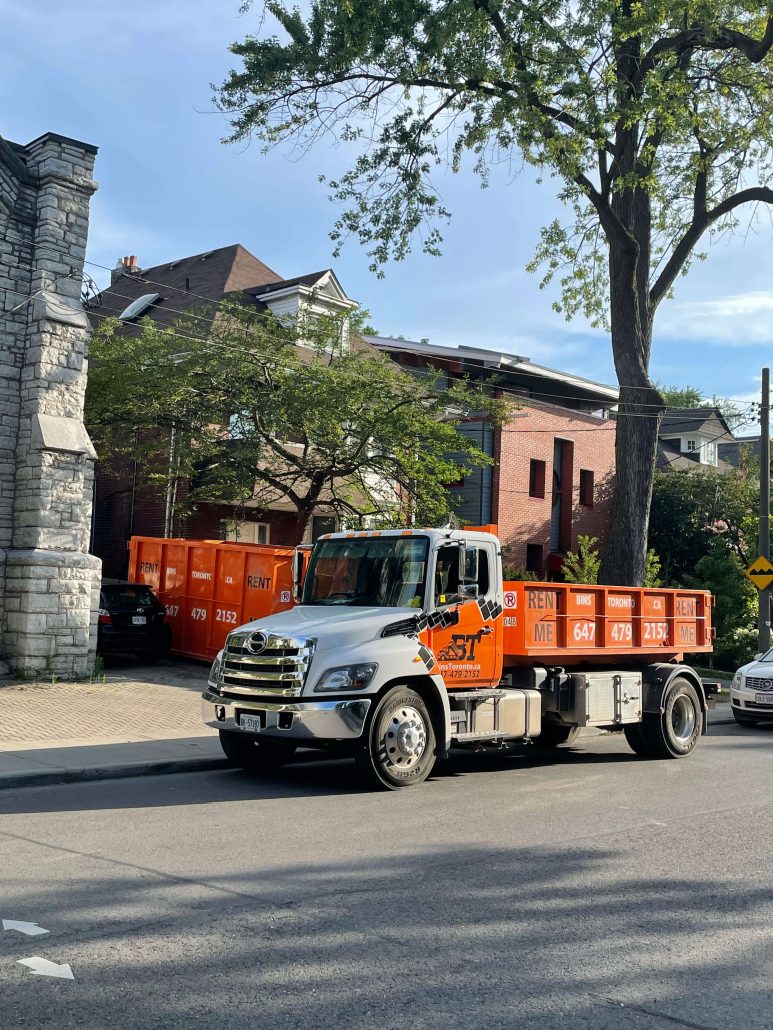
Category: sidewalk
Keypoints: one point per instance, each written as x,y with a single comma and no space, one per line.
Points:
143,720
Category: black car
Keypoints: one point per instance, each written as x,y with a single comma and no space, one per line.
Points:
131,619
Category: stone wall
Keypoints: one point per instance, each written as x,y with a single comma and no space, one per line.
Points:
49,587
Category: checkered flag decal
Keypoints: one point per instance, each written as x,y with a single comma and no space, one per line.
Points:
489,609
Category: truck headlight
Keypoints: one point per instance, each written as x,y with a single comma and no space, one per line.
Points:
737,681
347,677
214,672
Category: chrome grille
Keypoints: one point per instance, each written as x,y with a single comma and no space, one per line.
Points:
759,682
264,664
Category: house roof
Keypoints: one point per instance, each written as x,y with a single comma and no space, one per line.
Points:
731,451
670,457
513,365
696,420
186,283
283,284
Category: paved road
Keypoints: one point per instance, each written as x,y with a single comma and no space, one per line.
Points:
586,890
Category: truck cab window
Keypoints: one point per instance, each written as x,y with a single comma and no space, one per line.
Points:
447,576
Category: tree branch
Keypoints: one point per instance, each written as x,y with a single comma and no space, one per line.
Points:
702,221
700,38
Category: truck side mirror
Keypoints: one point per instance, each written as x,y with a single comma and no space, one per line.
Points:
297,574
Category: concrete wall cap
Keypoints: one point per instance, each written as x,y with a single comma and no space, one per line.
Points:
55,308
59,433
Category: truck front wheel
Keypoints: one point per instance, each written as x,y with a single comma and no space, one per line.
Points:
674,732
399,749
247,752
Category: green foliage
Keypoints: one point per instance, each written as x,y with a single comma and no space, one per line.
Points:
582,565
681,397
705,524
668,100
690,508
652,569
226,400
512,573
736,604
655,119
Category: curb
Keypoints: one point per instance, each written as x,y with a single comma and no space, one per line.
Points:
112,772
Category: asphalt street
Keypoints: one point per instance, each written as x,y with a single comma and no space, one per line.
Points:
585,889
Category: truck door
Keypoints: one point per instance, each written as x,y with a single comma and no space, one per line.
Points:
464,633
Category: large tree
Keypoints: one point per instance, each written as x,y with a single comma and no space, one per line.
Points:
656,116
230,409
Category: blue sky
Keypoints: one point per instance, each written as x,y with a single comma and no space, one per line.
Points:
133,78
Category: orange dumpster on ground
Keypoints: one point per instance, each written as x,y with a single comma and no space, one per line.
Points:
209,586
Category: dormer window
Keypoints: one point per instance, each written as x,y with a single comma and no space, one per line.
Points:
692,445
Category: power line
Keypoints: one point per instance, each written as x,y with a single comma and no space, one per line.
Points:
139,277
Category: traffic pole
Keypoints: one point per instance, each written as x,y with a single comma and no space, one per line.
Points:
763,625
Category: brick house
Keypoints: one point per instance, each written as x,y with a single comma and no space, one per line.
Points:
125,505
554,462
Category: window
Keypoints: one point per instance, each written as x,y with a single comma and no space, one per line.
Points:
322,524
382,572
586,487
534,558
536,478
692,445
711,454
447,576
248,532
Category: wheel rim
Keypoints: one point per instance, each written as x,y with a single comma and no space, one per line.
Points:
405,737
683,718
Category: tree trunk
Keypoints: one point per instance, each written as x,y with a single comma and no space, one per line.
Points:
640,411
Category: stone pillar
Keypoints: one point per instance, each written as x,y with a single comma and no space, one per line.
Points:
51,588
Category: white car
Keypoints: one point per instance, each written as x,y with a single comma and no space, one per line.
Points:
751,692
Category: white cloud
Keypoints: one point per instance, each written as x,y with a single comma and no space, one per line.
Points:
736,320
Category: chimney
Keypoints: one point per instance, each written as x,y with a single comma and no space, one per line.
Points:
124,266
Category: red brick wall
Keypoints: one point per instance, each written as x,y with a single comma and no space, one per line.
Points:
525,520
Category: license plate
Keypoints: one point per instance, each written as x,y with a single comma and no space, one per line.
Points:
251,723
139,620
763,699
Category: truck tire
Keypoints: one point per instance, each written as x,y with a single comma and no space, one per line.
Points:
247,752
553,734
634,734
675,733
399,749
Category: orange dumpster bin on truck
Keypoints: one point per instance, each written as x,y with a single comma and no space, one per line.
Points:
209,587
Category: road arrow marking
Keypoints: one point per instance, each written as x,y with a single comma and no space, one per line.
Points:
30,929
42,967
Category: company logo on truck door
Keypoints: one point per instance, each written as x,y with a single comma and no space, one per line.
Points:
461,648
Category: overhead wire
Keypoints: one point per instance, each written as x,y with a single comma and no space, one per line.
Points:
545,398
140,277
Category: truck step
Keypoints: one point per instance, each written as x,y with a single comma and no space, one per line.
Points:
471,738
485,694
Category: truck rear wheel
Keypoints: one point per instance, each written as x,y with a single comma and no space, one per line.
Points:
552,734
248,752
675,732
400,747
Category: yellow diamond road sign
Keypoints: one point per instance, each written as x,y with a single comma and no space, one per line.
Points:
760,572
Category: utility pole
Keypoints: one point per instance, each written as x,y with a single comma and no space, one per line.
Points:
763,625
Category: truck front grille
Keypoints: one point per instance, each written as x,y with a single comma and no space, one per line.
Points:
264,664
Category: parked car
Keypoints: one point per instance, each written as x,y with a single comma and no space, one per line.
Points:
751,692
131,619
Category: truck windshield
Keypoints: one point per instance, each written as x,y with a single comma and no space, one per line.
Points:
385,572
